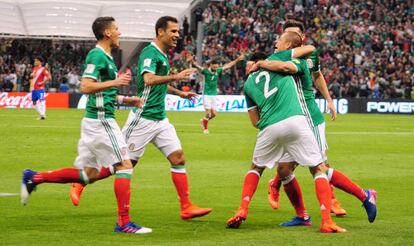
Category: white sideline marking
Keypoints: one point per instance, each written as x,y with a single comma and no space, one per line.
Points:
8,194
372,133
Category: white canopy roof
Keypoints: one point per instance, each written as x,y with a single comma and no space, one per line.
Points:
73,19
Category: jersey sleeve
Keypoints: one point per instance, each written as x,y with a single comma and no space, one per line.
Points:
249,101
148,63
94,63
316,64
219,71
301,65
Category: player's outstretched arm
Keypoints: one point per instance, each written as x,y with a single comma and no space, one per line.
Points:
130,101
90,85
254,116
277,66
191,60
151,79
302,51
232,63
183,94
320,84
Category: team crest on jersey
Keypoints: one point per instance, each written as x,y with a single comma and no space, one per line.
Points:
110,66
309,63
90,68
164,63
147,62
131,147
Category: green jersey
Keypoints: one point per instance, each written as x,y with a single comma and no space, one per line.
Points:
274,95
152,60
100,66
306,83
211,80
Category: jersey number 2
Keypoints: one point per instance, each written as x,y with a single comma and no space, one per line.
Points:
266,91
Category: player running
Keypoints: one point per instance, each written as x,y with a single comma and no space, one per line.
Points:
277,107
101,143
149,124
211,75
39,77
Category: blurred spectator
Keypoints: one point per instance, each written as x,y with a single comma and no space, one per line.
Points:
365,49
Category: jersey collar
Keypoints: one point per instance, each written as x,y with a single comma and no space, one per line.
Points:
158,48
100,47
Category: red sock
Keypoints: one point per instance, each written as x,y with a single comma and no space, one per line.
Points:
122,188
251,180
294,193
64,175
180,180
323,193
344,183
105,172
330,184
205,123
277,182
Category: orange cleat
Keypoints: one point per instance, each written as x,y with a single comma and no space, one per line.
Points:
337,209
75,193
272,194
235,221
331,227
194,211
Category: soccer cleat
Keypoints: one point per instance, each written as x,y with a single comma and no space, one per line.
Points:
131,227
27,186
194,211
337,209
76,192
272,194
331,227
235,221
298,221
205,131
370,205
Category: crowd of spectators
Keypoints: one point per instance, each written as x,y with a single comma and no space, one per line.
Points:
64,60
366,47
366,50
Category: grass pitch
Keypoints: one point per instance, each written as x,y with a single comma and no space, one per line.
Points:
376,151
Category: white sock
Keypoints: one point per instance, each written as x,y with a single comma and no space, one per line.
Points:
43,108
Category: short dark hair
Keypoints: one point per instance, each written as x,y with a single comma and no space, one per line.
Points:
39,58
100,25
214,61
162,22
257,56
294,23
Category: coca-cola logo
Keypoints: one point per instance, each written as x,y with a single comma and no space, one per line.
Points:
16,100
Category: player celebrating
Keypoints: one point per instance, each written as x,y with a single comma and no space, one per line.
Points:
101,140
39,77
211,75
291,185
278,109
149,123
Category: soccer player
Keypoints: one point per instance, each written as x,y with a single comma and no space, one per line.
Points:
101,143
39,77
149,124
292,186
211,75
277,107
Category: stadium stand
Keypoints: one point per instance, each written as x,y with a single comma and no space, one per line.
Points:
366,50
